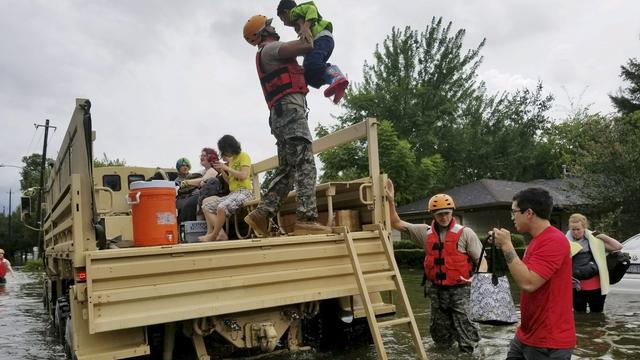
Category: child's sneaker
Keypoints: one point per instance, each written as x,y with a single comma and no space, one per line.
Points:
341,88
337,82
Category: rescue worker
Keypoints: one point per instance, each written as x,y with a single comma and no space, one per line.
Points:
451,253
5,266
284,88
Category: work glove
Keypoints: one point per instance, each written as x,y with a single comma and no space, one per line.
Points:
184,184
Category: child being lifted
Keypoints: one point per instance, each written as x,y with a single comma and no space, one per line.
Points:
311,27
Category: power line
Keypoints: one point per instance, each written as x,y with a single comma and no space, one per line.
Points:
35,131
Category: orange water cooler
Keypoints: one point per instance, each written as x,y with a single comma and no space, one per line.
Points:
153,207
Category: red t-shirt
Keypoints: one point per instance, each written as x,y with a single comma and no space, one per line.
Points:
3,268
547,313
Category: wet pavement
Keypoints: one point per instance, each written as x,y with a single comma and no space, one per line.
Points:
25,332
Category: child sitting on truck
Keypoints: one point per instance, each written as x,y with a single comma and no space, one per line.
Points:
310,26
236,171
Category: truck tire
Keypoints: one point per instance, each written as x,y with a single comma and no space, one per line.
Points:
60,317
45,298
68,339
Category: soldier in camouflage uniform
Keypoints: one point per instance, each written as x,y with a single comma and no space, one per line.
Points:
445,242
284,87
449,317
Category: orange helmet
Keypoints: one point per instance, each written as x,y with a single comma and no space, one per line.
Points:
440,202
253,27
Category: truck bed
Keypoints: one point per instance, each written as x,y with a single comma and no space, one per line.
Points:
142,286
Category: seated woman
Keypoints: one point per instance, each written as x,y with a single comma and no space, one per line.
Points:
590,273
183,166
235,171
189,208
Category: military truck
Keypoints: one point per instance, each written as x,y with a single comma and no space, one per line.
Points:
111,300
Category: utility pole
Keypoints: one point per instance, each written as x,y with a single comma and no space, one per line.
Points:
41,190
10,195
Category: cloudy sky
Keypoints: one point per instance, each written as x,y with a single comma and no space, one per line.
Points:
167,78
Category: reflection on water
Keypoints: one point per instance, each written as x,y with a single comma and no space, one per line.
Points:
615,335
612,335
26,334
24,330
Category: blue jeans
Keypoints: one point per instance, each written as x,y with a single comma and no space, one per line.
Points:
518,350
315,62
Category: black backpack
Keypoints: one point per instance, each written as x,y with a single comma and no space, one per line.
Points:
617,262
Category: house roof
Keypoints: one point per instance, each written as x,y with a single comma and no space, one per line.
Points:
489,193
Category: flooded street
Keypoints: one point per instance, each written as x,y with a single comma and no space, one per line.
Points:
26,334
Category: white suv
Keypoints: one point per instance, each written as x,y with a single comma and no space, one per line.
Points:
630,283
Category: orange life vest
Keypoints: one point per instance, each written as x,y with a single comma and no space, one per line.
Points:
287,79
444,263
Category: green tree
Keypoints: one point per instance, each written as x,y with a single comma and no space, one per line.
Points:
24,237
571,142
510,133
610,170
105,161
30,174
425,84
414,176
628,100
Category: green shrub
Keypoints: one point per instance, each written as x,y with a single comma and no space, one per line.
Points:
501,267
405,244
412,258
34,266
516,239
409,257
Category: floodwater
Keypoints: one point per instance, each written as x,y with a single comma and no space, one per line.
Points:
25,332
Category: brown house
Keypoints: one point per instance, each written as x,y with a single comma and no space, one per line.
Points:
486,203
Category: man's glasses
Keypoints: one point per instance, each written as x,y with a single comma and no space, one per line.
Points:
515,211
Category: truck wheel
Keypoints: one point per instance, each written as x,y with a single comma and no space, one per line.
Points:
60,316
45,300
68,342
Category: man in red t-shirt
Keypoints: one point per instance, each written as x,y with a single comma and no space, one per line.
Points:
547,329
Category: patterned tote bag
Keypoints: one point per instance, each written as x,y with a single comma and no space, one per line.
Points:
491,302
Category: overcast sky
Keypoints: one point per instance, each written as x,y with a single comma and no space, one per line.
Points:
167,78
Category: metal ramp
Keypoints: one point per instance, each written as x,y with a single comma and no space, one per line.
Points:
403,301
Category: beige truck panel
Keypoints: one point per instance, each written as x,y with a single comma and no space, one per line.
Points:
67,222
118,344
134,287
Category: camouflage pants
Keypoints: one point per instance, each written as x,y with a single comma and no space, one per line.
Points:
296,167
449,317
